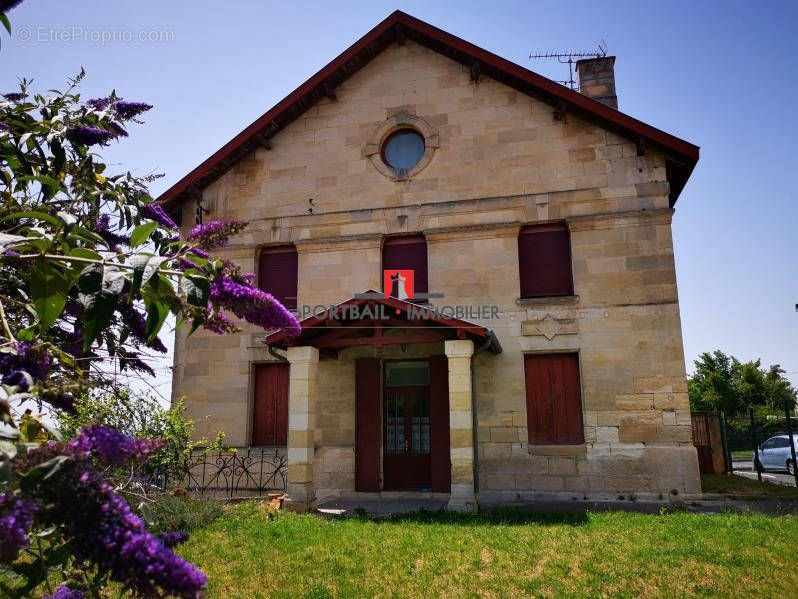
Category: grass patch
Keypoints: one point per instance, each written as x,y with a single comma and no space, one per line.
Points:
250,552
745,488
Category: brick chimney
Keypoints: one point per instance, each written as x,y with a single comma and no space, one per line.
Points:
597,79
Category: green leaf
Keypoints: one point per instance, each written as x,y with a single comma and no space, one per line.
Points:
97,316
197,289
8,240
49,287
6,23
26,334
69,219
99,286
85,253
41,472
35,214
52,184
8,449
156,315
142,233
144,267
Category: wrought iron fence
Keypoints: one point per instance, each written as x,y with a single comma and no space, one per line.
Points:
244,472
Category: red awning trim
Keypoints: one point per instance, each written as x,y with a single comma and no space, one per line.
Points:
316,327
682,155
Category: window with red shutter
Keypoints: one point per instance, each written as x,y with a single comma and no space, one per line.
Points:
408,252
553,399
544,261
277,273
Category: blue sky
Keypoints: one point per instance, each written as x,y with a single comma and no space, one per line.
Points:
723,75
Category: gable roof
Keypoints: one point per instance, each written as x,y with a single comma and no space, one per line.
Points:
681,155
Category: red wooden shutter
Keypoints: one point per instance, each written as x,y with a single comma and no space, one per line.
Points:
277,273
544,260
553,399
270,417
408,253
440,456
368,399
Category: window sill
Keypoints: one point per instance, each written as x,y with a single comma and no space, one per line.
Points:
557,450
549,300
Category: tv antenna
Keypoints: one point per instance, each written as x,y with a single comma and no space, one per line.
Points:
570,59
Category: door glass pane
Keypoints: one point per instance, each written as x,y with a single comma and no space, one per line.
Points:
395,424
420,424
402,374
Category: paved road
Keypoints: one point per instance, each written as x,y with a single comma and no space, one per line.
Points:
746,469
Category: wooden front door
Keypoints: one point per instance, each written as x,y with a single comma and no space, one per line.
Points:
270,413
406,462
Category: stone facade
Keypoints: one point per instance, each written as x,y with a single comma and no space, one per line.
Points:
501,161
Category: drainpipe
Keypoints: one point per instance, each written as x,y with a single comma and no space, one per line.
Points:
273,353
474,424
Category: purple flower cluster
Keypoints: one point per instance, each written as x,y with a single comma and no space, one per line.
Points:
20,358
88,136
99,103
16,518
4,126
64,592
215,233
103,228
14,96
154,212
252,304
118,130
100,524
111,447
129,110
133,361
170,539
219,323
106,532
136,324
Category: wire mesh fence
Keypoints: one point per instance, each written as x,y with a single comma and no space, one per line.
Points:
759,443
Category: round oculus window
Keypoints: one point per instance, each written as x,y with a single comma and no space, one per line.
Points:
403,149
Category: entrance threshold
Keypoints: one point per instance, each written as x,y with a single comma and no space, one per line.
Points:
383,504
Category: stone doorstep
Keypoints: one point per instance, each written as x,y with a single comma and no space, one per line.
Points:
392,495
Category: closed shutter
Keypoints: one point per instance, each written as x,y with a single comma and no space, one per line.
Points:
368,399
553,399
544,261
270,415
277,274
440,454
408,253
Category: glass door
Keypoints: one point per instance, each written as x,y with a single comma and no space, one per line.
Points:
407,425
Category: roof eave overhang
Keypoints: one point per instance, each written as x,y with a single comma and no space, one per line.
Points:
398,26
482,336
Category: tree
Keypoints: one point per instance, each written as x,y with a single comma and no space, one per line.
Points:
91,268
725,384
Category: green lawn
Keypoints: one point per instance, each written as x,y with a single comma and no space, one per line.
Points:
739,487
250,552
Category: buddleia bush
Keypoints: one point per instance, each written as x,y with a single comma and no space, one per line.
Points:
91,267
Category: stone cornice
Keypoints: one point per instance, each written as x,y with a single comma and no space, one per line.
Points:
620,219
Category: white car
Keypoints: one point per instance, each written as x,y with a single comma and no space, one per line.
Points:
775,454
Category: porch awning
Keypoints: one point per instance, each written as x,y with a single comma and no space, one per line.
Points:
371,319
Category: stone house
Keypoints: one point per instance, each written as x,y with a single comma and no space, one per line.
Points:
483,262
